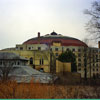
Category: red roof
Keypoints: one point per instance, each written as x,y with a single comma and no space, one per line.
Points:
65,41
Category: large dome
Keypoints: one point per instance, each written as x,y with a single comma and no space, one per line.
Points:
54,37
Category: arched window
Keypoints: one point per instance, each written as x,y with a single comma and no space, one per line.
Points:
41,61
31,60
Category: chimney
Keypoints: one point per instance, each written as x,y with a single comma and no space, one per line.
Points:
38,37
38,34
98,44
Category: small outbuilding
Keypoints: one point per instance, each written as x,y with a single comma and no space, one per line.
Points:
20,71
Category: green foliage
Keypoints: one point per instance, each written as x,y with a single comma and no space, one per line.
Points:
69,56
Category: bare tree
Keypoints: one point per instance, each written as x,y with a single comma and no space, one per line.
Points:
93,26
5,68
89,42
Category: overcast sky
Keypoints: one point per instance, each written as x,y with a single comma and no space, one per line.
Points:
21,20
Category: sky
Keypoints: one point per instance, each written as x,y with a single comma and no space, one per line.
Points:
21,20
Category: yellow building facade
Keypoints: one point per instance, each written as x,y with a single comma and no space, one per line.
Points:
36,59
43,51
44,61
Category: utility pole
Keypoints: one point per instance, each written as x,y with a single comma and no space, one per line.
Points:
85,63
90,62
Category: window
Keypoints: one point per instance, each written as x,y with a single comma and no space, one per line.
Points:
21,48
97,75
39,48
15,63
93,64
93,69
67,49
79,50
56,54
56,49
84,55
31,61
79,69
50,49
18,63
24,63
96,51
73,49
79,64
96,56
41,70
93,60
16,48
97,69
94,75
79,55
84,69
41,62
79,59
29,48
0,62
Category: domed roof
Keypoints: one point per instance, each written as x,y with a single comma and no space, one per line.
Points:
54,37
